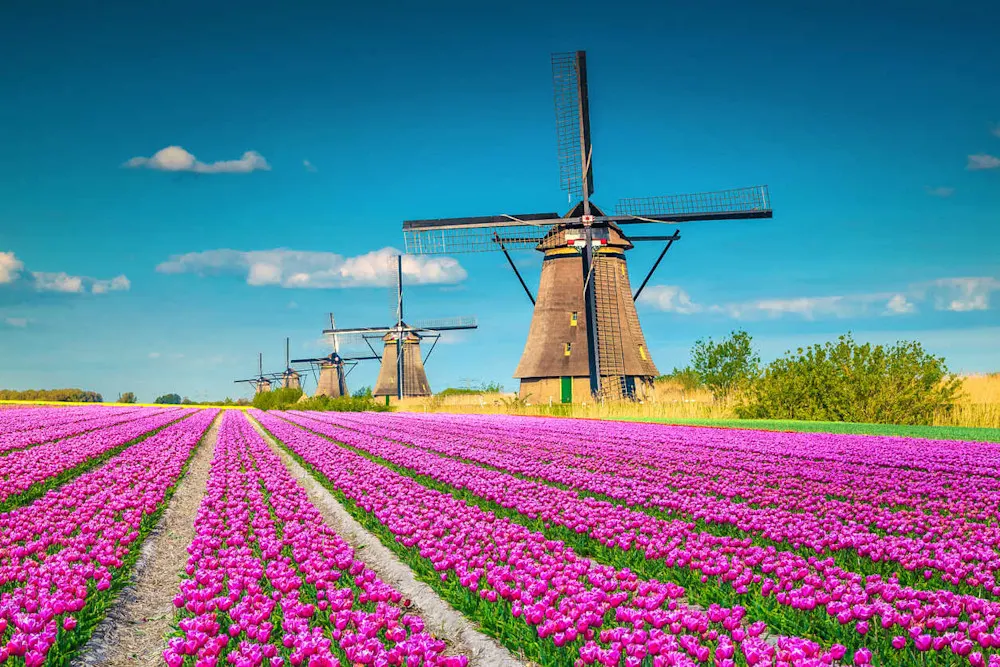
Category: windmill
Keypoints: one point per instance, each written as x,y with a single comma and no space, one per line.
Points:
289,377
333,368
261,383
402,372
585,331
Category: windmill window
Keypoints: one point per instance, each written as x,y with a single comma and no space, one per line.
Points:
567,348
573,317
642,352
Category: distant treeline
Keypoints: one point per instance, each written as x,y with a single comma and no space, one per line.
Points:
68,395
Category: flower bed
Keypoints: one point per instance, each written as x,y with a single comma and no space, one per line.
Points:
535,594
827,602
26,474
270,583
63,557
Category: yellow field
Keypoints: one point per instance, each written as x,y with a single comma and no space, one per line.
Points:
979,405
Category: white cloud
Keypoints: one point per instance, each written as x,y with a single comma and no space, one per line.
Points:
68,284
308,165
963,294
899,305
175,158
809,308
154,355
940,192
19,322
311,269
982,161
116,284
10,266
454,337
952,294
57,282
669,298
996,130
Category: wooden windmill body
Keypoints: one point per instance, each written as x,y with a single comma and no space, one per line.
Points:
414,376
585,341
402,373
555,364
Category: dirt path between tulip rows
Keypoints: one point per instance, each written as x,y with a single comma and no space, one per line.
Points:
133,631
441,619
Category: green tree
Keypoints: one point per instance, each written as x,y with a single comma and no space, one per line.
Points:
127,397
727,366
168,399
363,392
849,382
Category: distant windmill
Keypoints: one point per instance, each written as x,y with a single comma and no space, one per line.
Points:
261,383
334,368
585,330
402,373
289,377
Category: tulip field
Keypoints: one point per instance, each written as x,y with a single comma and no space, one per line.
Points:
567,542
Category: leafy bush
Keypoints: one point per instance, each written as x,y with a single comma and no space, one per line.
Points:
363,392
848,382
168,399
727,366
279,399
291,399
127,397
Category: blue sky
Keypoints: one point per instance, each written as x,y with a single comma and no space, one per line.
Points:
319,127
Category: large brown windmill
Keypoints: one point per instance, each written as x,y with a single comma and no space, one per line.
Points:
585,339
402,372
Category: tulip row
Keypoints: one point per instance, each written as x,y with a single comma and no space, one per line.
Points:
40,432
25,418
27,474
269,582
877,524
534,594
64,556
828,602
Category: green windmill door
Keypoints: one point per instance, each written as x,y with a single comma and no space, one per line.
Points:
567,389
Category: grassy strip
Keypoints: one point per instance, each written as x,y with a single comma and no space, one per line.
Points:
813,624
99,602
965,433
39,489
844,559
